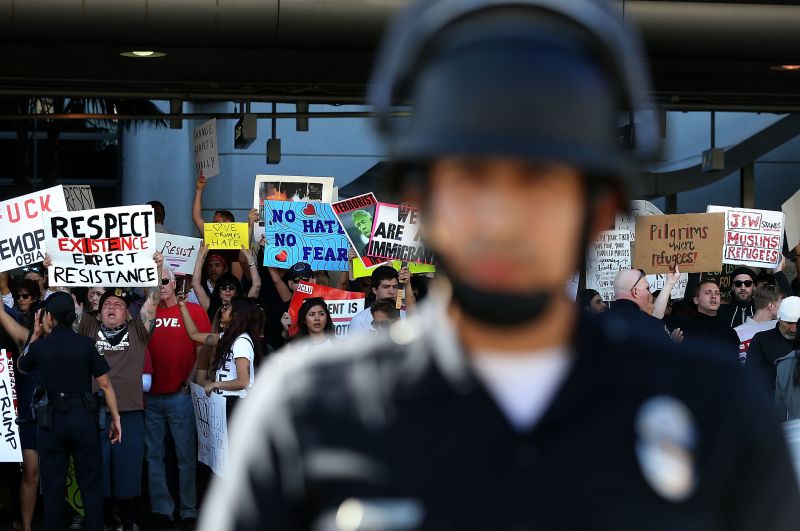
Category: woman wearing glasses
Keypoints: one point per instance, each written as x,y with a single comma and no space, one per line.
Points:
226,286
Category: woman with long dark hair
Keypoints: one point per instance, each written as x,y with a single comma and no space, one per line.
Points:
314,321
232,367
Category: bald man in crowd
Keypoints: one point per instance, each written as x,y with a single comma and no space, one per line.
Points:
633,300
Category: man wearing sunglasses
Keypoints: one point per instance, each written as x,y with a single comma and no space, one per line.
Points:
743,284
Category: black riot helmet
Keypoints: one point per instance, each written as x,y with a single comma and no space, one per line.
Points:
535,79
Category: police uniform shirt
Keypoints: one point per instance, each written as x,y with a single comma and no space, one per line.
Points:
68,362
397,433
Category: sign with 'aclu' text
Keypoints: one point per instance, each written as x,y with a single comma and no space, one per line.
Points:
180,252
609,253
300,231
226,235
395,235
206,155
752,237
342,305
22,229
10,449
103,247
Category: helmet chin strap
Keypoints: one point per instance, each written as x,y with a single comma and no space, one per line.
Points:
500,309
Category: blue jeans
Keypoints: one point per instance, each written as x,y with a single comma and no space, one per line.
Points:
176,412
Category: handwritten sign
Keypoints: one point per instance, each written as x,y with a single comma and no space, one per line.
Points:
22,228
212,428
78,197
356,216
180,252
206,156
692,241
226,235
609,253
102,247
752,237
342,305
395,235
10,449
299,231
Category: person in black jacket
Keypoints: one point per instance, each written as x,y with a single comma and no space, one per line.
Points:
499,405
705,325
68,363
767,347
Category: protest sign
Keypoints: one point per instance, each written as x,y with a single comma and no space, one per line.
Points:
206,156
226,235
752,237
22,226
102,247
212,428
639,207
290,188
78,197
571,286
180,252
609,253
10,449
343,305
791,209
692,241
356,216
395,235
304,232
360,270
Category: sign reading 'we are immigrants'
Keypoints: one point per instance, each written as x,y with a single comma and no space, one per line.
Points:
104,247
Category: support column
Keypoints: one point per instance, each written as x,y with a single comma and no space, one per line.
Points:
747,180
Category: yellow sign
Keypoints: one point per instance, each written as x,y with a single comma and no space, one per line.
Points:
226,235
359,270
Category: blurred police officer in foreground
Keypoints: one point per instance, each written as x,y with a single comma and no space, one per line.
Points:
67,417
500,407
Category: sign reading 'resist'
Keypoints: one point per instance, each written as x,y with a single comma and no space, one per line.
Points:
103,247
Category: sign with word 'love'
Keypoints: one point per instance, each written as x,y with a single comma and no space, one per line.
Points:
693,242
300,231
102,247
342,305
609,253
226,235
752,237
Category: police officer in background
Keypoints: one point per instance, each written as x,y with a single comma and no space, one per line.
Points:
68,425
499,406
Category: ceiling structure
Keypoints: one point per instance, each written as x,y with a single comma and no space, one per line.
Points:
704,55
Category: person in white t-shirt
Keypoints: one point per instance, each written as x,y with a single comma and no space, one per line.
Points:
386,280
767,300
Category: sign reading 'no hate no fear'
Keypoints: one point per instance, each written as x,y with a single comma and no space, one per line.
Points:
22,229
103,247
693,242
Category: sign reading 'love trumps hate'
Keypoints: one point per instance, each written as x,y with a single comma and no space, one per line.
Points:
299,231
225,235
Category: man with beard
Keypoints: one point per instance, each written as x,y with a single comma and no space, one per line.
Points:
123,343
743,284
497,405
767,347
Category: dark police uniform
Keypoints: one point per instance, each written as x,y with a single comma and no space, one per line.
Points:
68,363
401,431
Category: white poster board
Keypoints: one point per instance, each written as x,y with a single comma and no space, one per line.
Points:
791,209
180,252
78,197
609,253
22,226
102,247
752,237
206,156
10,449
572,286
212,428
290,188
396,235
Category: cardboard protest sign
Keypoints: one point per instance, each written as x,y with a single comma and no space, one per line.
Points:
206,156
752,237
22,226
356,216
342,305
212,428
290,188
692,241
609,253
102,247
78,197
180,252
360,270
10,449
791,209
639,207
304,232
226,235
395,235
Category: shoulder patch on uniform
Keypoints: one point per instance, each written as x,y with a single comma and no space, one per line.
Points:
666,446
